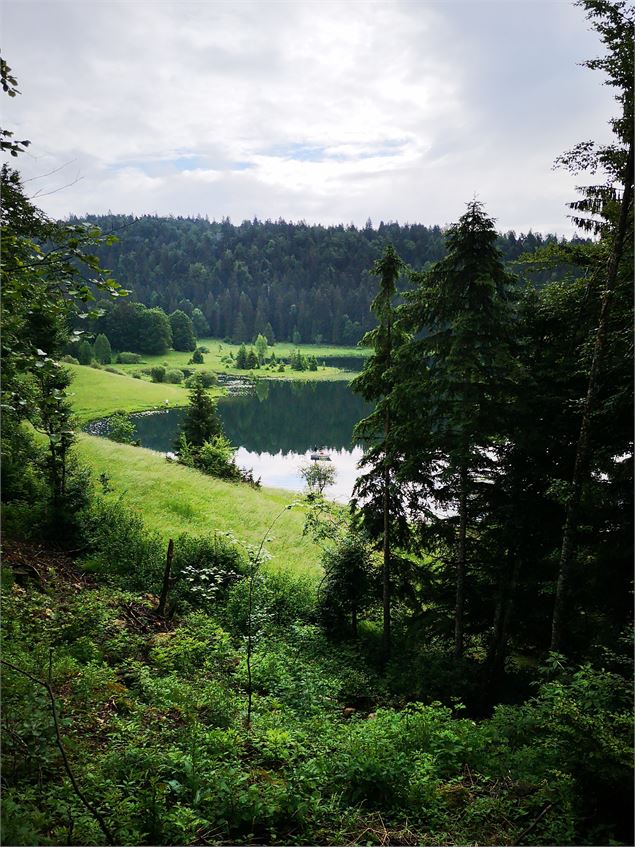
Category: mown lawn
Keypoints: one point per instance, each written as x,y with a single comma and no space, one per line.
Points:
174,499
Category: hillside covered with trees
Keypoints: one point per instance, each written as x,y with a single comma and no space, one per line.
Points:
286,281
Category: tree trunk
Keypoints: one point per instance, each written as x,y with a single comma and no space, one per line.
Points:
581,464
354,621
502,617
167,580
460,566
386,645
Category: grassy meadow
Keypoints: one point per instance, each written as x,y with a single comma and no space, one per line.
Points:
97,393
219,349
174,499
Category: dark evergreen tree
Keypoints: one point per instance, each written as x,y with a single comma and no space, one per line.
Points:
200,323
241,358
201,422
376,490
84,353
101,350
183,338
458,372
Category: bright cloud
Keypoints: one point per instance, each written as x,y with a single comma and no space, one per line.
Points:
331,112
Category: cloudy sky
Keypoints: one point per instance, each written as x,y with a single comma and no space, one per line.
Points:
328,112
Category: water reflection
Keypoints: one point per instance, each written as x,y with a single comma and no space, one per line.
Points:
276,425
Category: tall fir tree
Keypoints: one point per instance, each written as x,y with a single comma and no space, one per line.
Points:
201,422
456,378
376,491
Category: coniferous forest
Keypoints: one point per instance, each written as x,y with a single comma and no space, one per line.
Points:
192,657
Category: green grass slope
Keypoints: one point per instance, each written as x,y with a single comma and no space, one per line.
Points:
219,349
97,393
174,499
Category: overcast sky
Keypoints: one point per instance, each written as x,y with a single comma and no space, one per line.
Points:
330,112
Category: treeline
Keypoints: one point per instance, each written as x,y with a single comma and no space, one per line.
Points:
286,281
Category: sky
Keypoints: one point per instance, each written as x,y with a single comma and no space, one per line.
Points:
330,112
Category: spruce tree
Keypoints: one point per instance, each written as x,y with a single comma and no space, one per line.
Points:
182,332
241,358
201,422
101,350
376,489
457,376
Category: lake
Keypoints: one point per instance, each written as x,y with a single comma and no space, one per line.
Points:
275,425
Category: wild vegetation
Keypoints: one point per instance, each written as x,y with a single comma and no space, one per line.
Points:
188,659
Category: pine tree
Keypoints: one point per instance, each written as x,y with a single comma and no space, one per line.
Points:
603,211
201,422
456,379
84,353
377,488
101,350
182,332
241,358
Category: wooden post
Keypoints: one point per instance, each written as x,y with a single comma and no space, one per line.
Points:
167,579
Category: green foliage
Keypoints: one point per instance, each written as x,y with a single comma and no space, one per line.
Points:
207,379
129,358
349,586
122,550
121,428
261,345
183,337
201,422
216,458
102,350
84,353
197,357
173,375
318,475
157,373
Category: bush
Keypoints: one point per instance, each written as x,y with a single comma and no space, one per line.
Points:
129,358
197,357
122,549
112,370
157,373
206,567
70,360
216,458
121,428
173,375
207,378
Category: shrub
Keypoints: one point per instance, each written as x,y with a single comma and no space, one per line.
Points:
206,566
121,428
207,378
157,373
129,358
173,375
197,357
122,549
216,458
70,360
112,370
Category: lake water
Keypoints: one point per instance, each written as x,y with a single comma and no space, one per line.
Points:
276,425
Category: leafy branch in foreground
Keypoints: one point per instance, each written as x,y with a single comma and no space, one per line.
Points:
110,839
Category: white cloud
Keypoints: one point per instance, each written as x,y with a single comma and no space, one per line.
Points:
332,111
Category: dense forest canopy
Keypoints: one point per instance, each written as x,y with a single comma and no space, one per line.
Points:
287,281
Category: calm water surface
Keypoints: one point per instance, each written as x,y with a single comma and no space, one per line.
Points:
275,426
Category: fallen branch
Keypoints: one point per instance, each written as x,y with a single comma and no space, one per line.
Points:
532,825
98,817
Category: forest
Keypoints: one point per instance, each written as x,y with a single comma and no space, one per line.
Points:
447,659
286,281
